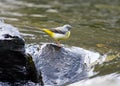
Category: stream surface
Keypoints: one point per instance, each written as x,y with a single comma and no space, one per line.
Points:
96,27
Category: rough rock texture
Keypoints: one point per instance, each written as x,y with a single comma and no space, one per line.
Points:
16,68
61,66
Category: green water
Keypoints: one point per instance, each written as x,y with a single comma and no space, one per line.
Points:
96,23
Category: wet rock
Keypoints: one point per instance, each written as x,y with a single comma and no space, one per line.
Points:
10,38
107,80
15,66
61,66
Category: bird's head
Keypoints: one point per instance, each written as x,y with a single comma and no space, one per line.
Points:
67,26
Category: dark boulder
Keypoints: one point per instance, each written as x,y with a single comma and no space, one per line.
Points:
15,66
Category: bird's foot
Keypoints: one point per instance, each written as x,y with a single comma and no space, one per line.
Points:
58,44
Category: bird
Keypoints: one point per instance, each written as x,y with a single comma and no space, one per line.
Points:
59,33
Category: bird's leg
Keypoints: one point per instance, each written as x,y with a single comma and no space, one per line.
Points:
58,43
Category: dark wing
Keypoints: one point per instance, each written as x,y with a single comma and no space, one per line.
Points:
57,31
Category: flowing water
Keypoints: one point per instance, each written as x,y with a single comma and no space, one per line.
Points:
96,25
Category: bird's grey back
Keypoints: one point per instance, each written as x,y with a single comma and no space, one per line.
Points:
61,30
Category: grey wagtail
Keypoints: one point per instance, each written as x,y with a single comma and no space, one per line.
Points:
59,33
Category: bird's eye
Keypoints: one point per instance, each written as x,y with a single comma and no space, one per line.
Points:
69,27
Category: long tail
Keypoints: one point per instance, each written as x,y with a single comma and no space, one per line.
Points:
49,32
43,30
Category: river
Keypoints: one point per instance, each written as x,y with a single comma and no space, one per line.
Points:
95,26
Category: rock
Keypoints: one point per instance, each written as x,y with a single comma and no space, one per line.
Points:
15,66
110,79
61,66
10,38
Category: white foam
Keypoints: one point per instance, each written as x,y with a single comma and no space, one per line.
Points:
108,80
